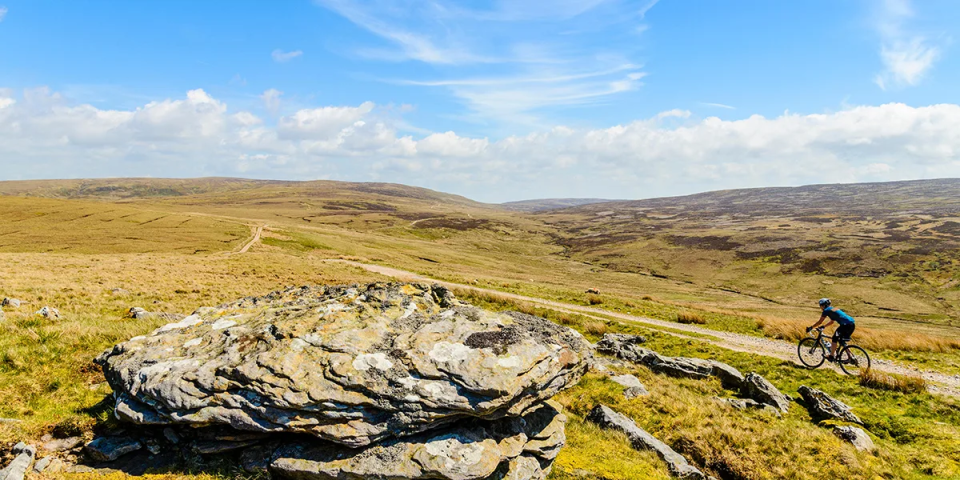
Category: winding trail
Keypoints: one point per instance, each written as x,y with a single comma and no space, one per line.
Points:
254,240
937,382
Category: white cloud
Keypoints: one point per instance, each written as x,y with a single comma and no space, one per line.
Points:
271,100
43,135
718,105
3,13
906,56
280,56
544,57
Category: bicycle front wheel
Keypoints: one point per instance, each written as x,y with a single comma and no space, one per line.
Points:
853,360
811,352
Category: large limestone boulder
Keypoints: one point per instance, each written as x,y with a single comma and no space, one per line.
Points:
351,366
513,447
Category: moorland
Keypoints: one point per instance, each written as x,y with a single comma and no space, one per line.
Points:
746,262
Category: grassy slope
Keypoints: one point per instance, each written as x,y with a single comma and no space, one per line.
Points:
435,234
888,252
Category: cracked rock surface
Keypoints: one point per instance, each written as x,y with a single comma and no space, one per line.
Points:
355,366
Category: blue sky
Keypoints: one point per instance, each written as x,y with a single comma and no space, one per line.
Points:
494,100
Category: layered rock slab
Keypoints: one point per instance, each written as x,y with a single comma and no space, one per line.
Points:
515,447
351,365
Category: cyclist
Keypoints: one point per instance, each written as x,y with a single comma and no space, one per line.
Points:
846,325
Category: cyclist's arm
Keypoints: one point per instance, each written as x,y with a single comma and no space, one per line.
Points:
815,325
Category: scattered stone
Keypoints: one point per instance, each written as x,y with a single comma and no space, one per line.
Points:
477,449
679,367
748,403
730,377
623,346
138,313
119,291
856,436
761,390
633,386
823,406
108,449
9,420
350,365
10,302
627,347
62,444
23,458
49,312
641,440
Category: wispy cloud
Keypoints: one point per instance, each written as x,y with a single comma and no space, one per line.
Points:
717,105
280,56
271,100
539,57
3,13
907,56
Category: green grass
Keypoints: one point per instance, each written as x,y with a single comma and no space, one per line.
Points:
918,433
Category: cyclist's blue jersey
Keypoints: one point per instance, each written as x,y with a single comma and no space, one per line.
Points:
838,316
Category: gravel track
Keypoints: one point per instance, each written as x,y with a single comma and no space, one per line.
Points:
937,382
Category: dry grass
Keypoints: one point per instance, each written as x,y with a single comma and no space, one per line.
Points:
688,317
595,328
593,299
865,337
892,382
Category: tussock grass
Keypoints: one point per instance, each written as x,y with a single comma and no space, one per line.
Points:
595,328
593,299
892,382
687,317
794,330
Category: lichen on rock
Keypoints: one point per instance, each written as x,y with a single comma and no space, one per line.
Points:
355,366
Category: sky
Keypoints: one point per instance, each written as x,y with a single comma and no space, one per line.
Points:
495,100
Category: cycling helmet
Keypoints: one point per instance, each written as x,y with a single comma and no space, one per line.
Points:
824,302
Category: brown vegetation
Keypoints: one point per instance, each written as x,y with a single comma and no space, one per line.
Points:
895,383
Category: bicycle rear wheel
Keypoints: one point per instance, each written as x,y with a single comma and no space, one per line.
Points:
811,352
853,360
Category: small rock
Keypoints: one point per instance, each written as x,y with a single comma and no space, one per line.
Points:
138,313
49,312
17,469
748,403
823,406
761,390
857,437
107,449
634,392
10,302
623,346
42,464
633,386
62,444
641,440
730,377
119,291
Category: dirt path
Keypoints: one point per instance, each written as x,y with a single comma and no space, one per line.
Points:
937,382
255,239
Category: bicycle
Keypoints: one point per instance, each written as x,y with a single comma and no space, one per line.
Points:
813,349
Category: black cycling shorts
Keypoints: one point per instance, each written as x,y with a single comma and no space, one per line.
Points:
844,332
